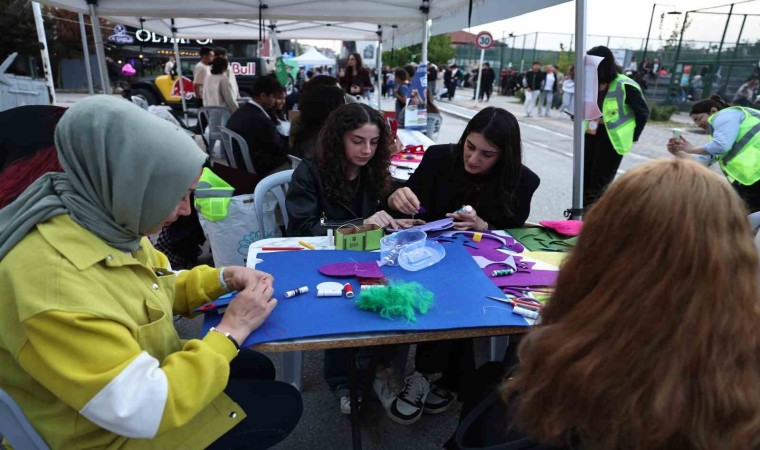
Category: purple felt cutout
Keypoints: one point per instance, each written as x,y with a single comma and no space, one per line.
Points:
527,277
489,243
437,225
351,269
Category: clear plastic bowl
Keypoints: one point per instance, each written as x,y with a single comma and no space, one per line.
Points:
391,245
419,258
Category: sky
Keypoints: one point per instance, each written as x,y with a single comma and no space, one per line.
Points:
625,18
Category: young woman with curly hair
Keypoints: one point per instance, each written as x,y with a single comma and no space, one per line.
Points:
650,340
347,178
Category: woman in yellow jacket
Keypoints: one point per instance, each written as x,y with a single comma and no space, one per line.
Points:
87,344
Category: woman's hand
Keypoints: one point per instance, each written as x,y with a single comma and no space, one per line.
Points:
408,223
238,278
678,146
404,200
467,221
381,219
248,310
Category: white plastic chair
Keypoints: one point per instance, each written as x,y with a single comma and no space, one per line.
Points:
210,118
754,220
294,161
292,362
234,142
16,428
277,184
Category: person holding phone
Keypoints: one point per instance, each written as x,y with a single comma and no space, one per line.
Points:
735,143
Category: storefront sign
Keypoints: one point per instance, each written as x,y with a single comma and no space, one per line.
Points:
247,69
120,36
150,37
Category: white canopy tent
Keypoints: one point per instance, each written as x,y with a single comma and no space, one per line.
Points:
312,57
412,20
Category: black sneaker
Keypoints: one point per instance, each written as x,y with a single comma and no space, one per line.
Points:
438,399
407,407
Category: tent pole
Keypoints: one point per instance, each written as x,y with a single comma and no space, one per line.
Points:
86,51
576,212
179,71
44,52
97,36
379,68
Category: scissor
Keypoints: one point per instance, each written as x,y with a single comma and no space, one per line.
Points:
521,301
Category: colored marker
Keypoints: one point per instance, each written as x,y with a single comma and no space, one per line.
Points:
349,290
299,291
307,245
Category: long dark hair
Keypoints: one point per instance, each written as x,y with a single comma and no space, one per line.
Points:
359,65
500,128
376,178
607,70
706,105
315,104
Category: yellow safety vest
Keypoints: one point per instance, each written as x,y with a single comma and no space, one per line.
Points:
742,161
212,196
618,116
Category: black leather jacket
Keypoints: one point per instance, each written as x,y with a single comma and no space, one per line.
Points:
310,213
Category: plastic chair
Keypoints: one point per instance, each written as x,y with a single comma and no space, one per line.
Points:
292,362
277,184
294,161
139,101
754,220
16,428
233,143
433,126
210,118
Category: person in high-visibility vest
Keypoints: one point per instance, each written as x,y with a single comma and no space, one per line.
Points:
624,114
734,144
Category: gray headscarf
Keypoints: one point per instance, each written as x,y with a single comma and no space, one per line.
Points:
125,170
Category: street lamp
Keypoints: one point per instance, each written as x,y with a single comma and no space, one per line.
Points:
649,30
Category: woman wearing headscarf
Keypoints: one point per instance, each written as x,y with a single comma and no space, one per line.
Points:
87,344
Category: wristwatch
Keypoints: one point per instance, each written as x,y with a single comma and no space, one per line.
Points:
227,335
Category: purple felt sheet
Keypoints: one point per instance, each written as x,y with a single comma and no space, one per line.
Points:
437,225
489,243
349,269
530,278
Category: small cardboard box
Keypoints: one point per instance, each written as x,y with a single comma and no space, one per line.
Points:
365,237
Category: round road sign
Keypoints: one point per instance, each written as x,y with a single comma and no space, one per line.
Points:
484,40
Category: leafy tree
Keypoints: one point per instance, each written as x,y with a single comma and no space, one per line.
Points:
439,53
565,59
19,32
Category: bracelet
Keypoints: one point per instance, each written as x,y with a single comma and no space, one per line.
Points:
221,280
228,336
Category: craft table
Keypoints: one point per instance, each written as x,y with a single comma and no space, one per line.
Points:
402,170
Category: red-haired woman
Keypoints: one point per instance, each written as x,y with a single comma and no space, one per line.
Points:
26,147
650,340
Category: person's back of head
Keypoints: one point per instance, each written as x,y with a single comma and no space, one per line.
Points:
265,85
220,51
401,74
219,65
323,80
607,70
650,339
315,105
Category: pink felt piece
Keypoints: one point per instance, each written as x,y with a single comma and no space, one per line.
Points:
352,269
564,227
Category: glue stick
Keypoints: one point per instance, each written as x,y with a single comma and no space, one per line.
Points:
467,209
525,312
330,293
299,291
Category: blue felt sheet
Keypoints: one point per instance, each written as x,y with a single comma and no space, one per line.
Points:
459,285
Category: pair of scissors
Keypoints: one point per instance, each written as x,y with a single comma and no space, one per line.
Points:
218,305
525,302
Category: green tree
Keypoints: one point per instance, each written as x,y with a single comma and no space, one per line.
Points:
398,57
440,50
19,33
439,53
565,59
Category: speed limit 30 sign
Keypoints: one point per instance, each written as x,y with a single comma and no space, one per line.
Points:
484,40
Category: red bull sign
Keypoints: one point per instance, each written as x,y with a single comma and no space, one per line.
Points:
247,69
187,84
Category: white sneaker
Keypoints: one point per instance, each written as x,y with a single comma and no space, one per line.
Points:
407,407
384,392
345,404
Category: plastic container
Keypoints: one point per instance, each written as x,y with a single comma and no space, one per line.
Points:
414,259
392,245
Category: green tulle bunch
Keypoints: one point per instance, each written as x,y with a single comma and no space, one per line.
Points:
397,300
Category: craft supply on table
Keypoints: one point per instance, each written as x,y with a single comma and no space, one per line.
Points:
397,301
372,286
421,258
502,272
299,291
218,306
564,227
391,245
537,239
329,289
279,249
352,269
467,209
520,311
307,245
349,290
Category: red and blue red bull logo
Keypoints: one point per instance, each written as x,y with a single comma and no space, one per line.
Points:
187,84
